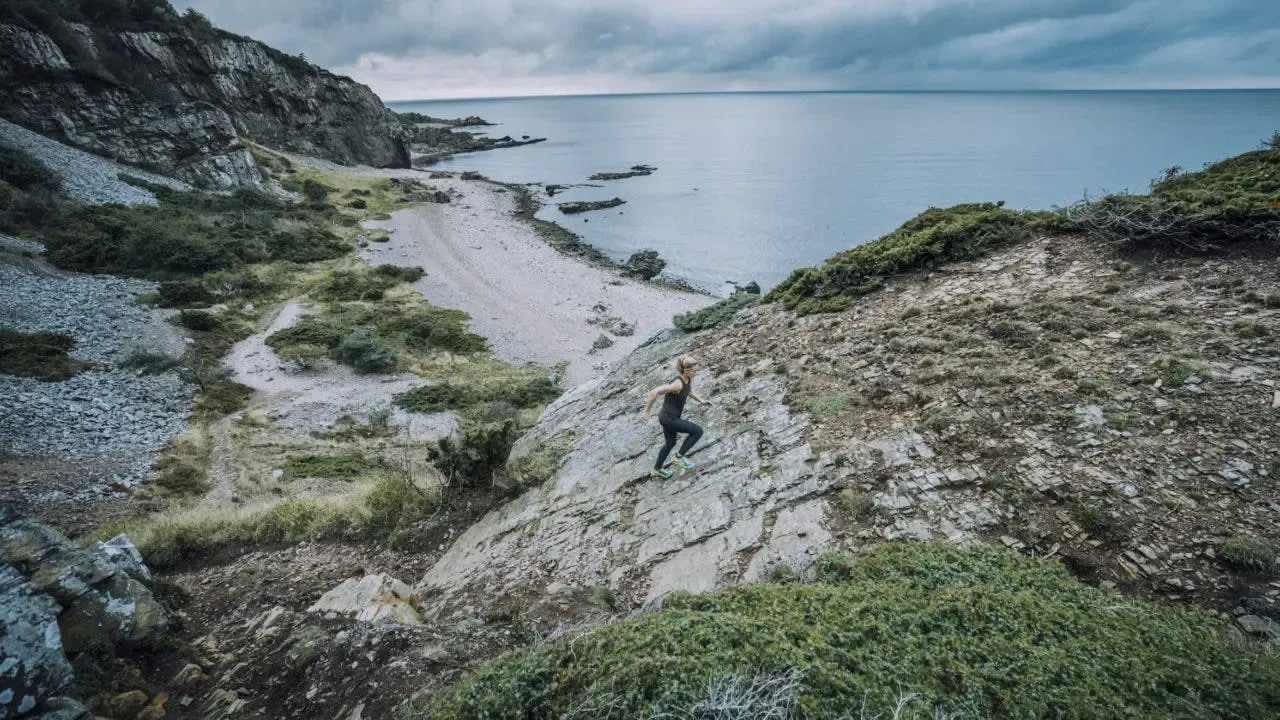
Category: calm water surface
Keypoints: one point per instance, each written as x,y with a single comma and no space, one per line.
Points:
750,186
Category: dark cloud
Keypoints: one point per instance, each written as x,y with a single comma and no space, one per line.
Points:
769,43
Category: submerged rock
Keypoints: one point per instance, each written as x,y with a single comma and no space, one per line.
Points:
635,171
572,208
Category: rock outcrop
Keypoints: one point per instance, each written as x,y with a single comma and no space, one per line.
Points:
174,95
573,208
58,600
752,503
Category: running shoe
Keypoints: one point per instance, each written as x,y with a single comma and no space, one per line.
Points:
684,462
664,474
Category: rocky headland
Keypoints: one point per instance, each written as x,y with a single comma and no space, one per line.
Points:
366,443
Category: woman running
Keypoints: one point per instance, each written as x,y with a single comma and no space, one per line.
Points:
669,417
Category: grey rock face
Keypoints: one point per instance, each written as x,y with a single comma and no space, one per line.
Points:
177,103
101,604
34,668
753,501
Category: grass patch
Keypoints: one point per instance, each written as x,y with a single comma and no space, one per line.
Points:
714,315
534,467
1247,553
969,633
1099,523
521,391
347,466
181,470
149,363
361,284
431,329
41,355
935,237
857,506
1176,372
363,352
1251,329
824,406
221,398
1272,300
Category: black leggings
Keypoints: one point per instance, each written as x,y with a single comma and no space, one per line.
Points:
669,429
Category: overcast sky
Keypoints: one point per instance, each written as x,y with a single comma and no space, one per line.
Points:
424,49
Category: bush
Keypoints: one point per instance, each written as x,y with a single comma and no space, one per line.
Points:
1099,523
348,466
936,236
1251,554
451,395
41,355
308,331
432,328
221,398
353,285
314,190
358,204
473,458
822,407
183,294
20,169
198,320
402,274
968,633
714,315
304,356
361,351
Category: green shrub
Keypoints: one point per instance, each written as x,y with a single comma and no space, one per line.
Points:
41,355
198,320
361,351
524,392
22,170
304,356
1252,554
432,328
358,204
183,294
715,315
1272,300
821,407
352,285
150,363
472,458
308,331
1099,523
400,273
936,236
347,466
1251,329
221,398
534,467
314,190
856,505
970,633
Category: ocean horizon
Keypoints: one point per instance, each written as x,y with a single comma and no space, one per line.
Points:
753,184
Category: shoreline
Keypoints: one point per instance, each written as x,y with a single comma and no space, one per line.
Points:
525,288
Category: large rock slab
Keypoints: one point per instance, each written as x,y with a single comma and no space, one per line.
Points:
753,502
372,598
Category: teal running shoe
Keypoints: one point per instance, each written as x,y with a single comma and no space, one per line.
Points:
683,462
664,474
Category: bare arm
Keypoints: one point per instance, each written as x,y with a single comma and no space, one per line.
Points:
655,393
699,398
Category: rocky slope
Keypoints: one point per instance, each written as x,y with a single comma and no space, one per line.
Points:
149,88
1054,397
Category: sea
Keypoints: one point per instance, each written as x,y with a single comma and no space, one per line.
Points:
752,185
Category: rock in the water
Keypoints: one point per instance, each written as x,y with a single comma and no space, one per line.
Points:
645,264
571,208
635,171
371,598
751,288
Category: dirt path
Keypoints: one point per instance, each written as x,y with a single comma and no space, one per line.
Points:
224,475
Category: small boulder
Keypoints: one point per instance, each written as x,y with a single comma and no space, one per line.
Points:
602,342
644,264
372,598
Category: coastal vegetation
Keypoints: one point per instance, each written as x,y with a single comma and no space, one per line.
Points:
914,630
41,355
715,315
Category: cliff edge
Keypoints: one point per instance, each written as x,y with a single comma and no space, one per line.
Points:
141,84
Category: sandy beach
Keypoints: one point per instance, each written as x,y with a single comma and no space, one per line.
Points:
531,302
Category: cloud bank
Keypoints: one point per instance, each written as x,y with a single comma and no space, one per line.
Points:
419,49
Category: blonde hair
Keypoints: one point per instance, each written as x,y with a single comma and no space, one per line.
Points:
685,362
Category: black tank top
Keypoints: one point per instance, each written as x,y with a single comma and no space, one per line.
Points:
673,403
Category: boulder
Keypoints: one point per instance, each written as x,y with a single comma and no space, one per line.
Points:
372,598
103,603
34,669
645,264
572,208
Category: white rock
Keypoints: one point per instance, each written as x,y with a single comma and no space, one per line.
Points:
372,598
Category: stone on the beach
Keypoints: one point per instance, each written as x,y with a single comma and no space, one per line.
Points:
644,264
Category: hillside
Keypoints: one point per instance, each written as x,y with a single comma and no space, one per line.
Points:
137,82
996,463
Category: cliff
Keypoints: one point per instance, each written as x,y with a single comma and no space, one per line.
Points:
170,93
